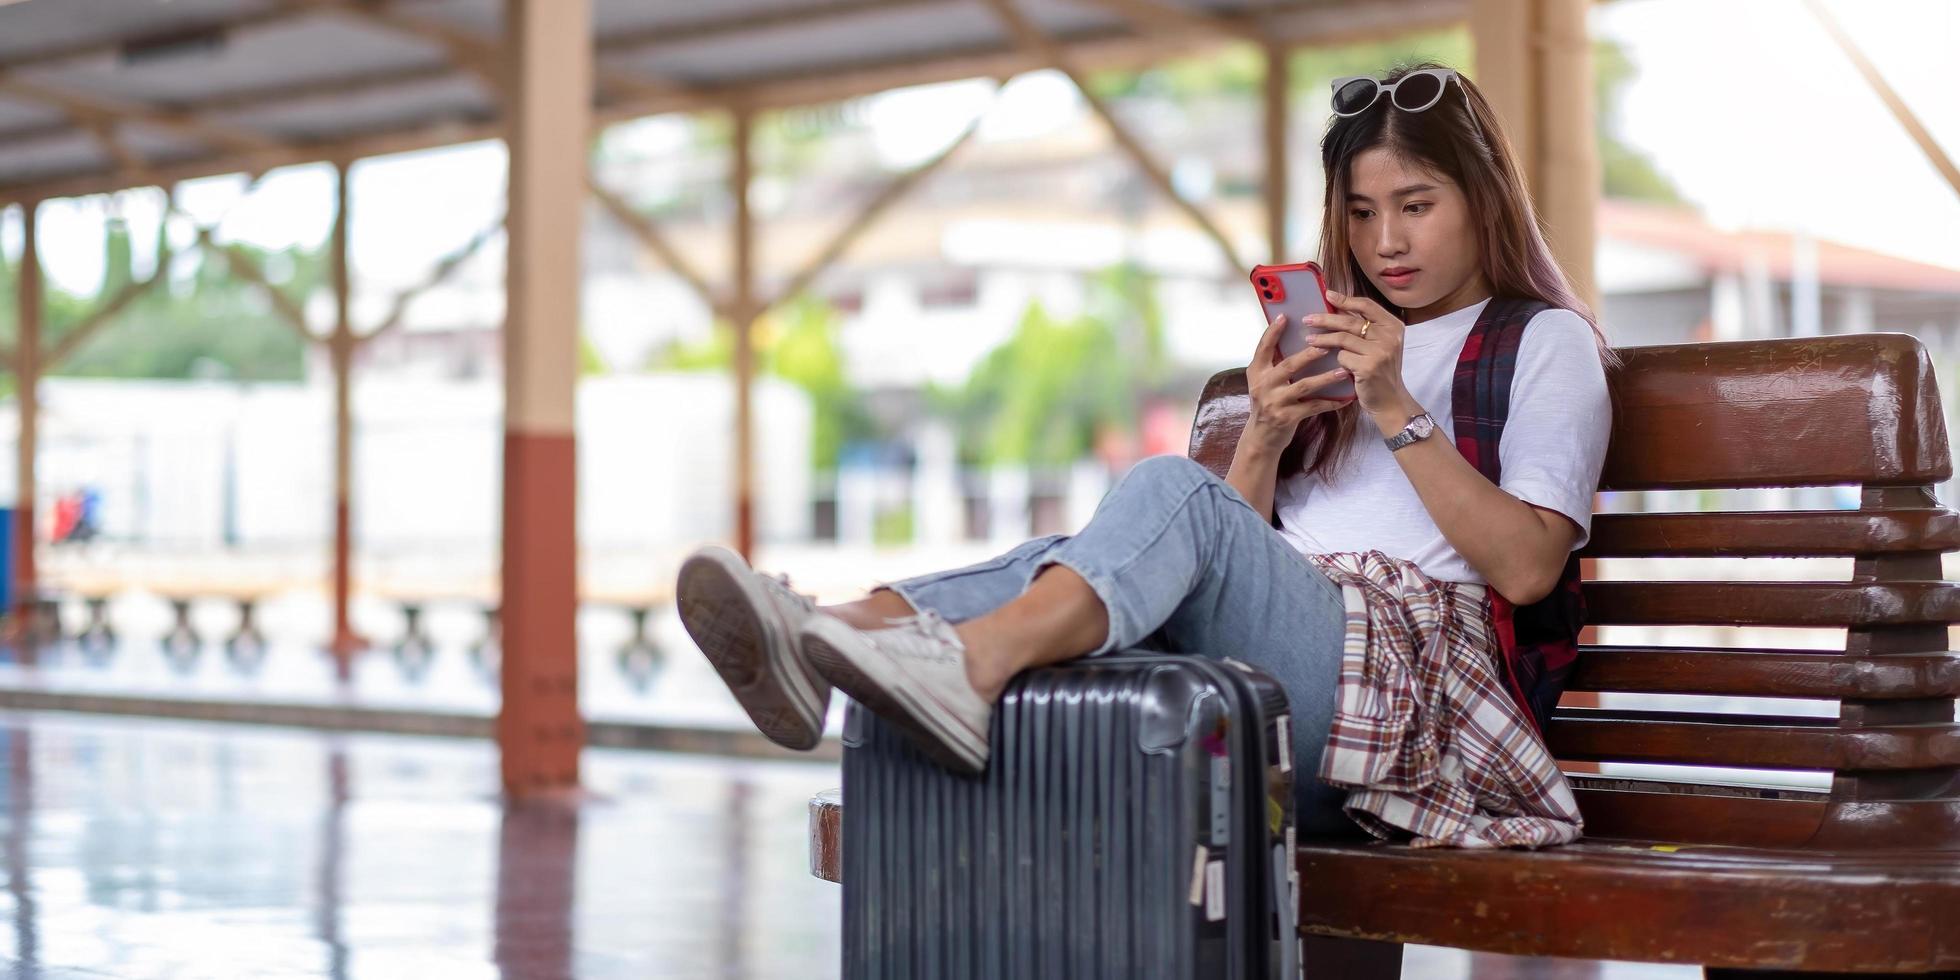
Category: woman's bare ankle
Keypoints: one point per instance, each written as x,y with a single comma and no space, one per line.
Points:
870,612
984,670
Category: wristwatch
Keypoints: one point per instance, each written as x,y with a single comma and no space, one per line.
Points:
1419,428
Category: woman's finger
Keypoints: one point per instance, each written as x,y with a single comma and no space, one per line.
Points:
1333,341
1312,383
1300,411
1300,359
1262,353
1339,322
1363,308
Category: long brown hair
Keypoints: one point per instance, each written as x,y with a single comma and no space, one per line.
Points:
1447,139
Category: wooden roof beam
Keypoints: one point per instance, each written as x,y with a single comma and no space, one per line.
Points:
869,214
482,56
1105,51
716,28
1886,94
648,232
444,268
1158,17
1030,37
94,110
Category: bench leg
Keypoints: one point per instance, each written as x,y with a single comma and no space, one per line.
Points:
97,635
47,621
639,657
1328,958
488,652
245,647
181,644
415,649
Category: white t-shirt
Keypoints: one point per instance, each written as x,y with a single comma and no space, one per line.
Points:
1552,450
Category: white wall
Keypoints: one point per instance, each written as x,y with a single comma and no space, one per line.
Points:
180,462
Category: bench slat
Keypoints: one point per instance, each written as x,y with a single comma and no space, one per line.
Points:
1831,911
1762,534
1860,408
1825,604
1766,673
1697,818
1748,741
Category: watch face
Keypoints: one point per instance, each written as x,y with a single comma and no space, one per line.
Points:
1424,425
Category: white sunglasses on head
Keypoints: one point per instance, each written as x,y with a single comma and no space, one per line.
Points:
1413,92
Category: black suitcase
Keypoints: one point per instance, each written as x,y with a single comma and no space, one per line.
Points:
1135,820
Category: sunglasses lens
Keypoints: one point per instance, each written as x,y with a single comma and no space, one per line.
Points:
1355,95
1417,92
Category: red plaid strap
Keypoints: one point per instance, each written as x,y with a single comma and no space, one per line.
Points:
1538,642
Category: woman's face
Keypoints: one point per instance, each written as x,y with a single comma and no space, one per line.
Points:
1411,233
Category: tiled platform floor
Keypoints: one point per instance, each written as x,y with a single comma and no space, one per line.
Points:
172,849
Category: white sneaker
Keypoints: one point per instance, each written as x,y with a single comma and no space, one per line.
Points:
747,623
912,674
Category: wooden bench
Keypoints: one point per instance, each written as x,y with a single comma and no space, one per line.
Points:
1742,876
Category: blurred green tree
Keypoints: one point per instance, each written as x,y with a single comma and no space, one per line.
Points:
1042,397
182,326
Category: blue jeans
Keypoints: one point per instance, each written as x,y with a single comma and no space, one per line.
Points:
1183,563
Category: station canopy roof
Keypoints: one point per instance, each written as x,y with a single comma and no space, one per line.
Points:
99,95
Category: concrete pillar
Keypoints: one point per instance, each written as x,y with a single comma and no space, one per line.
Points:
27,379
1759,298
1534,63
1276,101
857,504
938,514
1858,312
743,311
340,356
1728,312
1806,293
1009,519
549,104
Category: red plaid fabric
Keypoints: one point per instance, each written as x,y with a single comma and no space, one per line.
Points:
1425,734
1537,643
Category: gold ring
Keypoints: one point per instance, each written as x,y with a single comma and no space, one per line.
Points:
1364,329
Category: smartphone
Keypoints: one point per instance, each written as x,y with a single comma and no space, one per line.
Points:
1299,290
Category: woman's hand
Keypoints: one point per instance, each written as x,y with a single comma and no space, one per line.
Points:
1375,361
1279,404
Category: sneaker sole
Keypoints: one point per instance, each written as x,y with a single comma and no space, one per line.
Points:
944,740
724,613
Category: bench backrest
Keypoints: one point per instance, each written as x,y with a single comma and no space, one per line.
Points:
1856,409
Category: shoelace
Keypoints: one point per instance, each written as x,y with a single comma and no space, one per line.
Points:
927,623
782,579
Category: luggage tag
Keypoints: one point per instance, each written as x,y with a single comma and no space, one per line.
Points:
1214,891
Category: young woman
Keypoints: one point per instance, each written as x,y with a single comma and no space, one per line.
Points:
1426,221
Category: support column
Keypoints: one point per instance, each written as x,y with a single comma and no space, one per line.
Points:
27,380
742,310
549,85
340,355
1534,63
1278,92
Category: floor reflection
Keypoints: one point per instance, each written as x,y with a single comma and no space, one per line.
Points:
174,849
138,848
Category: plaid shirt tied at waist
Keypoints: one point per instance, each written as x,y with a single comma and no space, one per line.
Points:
1425,735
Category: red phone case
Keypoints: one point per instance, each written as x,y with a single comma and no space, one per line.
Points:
1298,289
